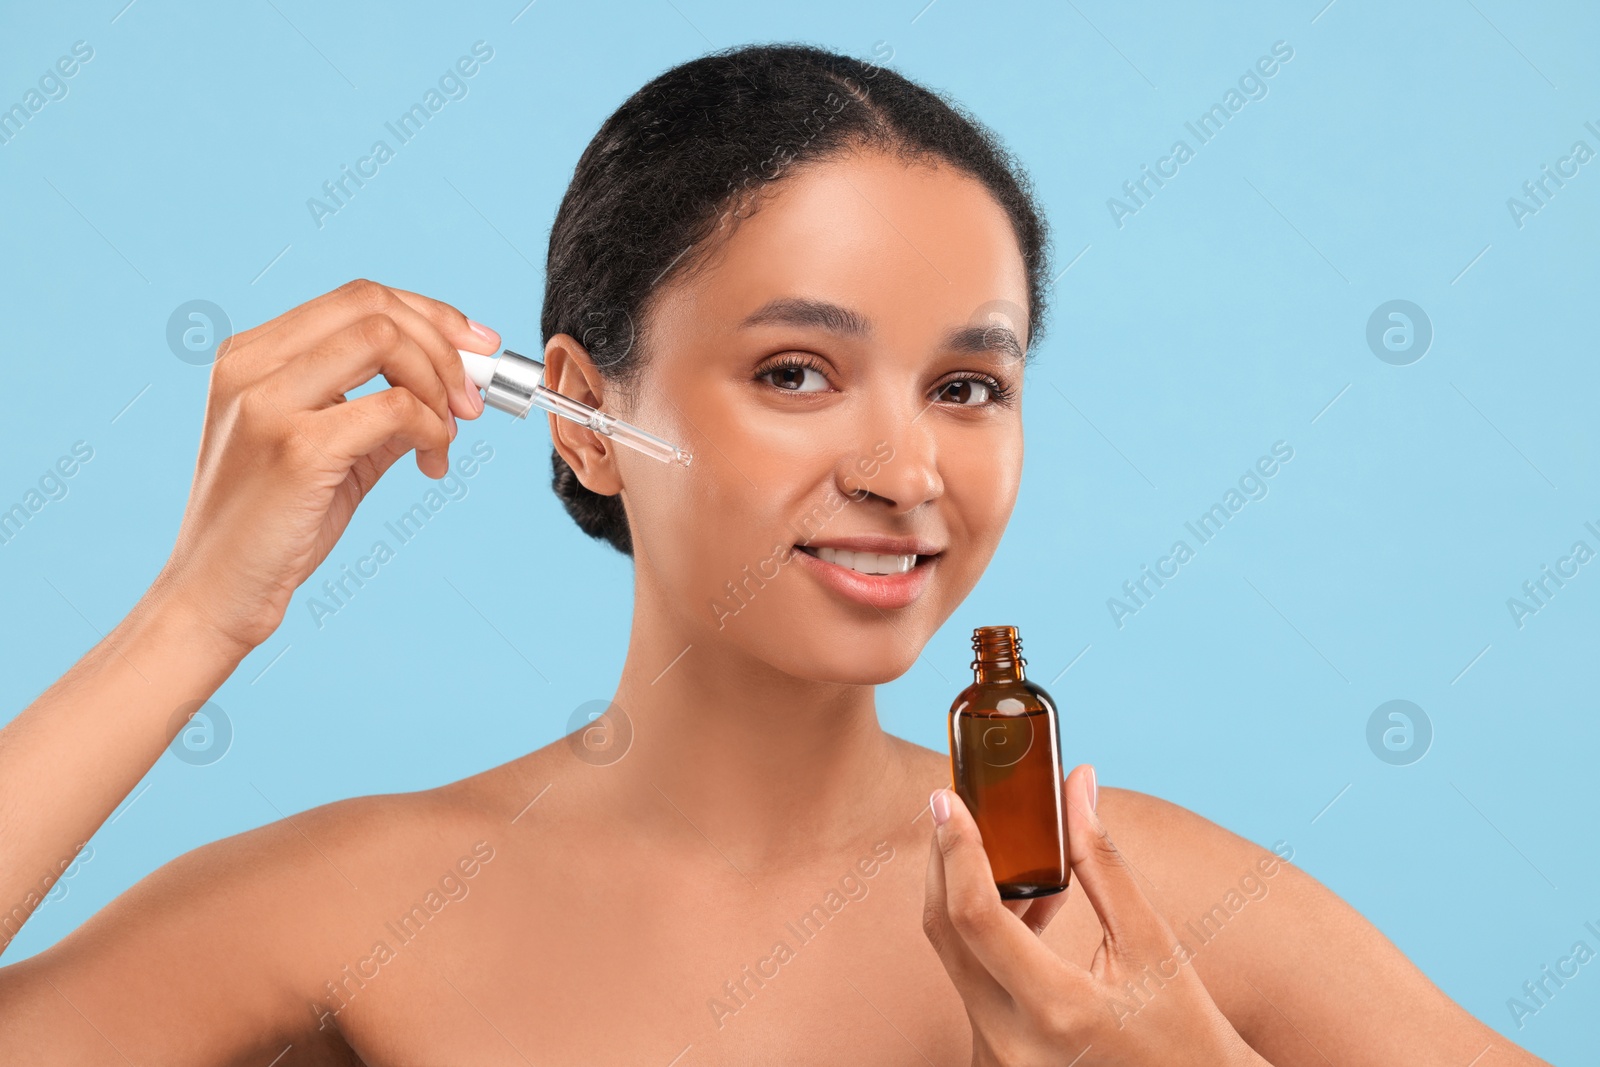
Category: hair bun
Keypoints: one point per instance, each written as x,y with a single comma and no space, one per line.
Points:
601,517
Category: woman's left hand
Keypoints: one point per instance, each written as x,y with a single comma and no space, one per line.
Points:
1140,1000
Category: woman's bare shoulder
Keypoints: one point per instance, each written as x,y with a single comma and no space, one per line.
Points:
1168,837
255,924
1204,878
1283,956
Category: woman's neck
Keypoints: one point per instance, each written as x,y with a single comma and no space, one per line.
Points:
773,770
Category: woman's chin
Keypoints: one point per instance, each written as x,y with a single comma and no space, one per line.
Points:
858,664
816,635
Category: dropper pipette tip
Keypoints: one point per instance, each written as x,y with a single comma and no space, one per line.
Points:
522,388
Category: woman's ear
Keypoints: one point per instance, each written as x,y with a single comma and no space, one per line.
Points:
569,371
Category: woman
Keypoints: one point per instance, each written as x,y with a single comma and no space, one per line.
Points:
821,279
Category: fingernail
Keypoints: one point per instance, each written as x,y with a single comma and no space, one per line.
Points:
1094,789
483,331
452,427
939,803
474,398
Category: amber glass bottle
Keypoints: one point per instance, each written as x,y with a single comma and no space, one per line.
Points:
1005,764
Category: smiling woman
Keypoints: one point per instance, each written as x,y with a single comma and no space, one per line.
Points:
841,344
688,160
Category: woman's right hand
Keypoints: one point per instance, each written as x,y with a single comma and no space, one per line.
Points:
285,458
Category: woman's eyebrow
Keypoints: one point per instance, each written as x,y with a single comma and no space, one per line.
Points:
799,311
975,339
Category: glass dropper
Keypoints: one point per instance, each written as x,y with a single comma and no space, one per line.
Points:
514,383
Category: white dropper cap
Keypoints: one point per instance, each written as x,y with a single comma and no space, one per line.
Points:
480,368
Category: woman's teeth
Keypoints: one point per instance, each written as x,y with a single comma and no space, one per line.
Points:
866,562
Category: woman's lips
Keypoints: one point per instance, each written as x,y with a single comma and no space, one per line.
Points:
883,591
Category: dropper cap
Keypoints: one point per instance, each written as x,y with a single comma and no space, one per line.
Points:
509,381
480,368
514,383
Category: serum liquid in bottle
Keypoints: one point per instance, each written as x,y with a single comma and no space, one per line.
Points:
1005,764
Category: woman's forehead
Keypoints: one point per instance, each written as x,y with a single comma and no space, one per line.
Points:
863,242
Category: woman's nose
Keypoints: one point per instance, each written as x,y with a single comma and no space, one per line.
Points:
898,465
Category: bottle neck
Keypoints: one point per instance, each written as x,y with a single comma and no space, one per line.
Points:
997,672
998,655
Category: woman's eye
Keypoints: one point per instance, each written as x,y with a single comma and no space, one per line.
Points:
965,391
797,379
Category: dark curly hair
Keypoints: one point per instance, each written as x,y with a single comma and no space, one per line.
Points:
688,152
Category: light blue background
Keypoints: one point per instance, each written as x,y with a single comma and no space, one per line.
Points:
1224,316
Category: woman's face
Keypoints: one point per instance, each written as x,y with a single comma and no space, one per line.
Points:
846,368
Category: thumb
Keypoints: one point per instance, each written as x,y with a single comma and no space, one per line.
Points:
1108,879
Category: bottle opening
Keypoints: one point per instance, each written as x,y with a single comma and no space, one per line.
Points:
997,646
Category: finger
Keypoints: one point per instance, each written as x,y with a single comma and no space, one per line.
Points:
442,330
1131,922
389,419
1039,911
977,987
352,357
369,468
437,328
236,341
1036,912
301,325
1003,945
455,327
463,398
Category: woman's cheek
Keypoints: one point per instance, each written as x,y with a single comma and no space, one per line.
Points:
982,480
698,526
